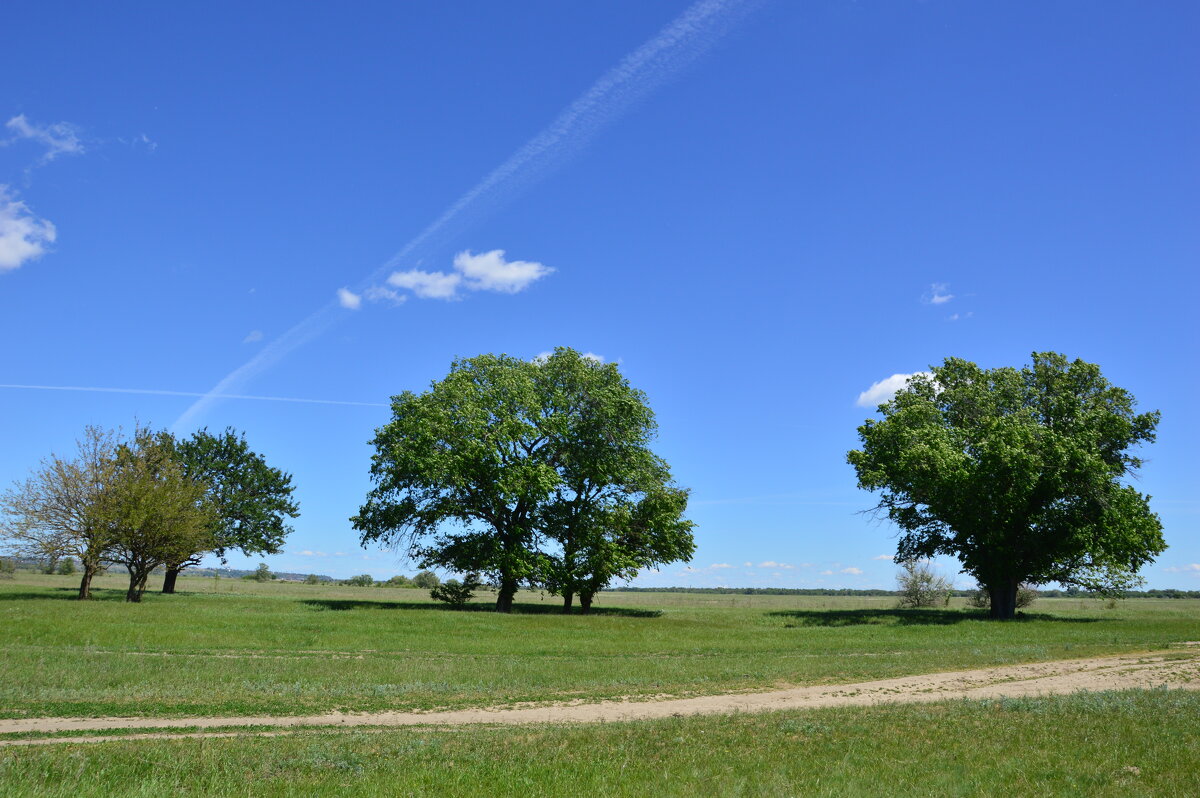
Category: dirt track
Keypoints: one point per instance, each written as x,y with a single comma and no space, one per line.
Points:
1179,670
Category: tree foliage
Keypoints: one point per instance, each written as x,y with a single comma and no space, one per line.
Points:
534,473
455,593
918,585
1020,473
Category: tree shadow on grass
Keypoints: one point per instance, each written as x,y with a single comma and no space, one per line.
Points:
518,608
899,617
64,594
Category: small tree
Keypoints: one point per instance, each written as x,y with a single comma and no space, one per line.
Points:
262,573
456,593
399,580
66,567
920,586
426,580
362,580
312,579
8,568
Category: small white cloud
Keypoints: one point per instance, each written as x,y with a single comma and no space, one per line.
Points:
747,565
886,389
960,316
427,285
939,294
23,236
768,564
348,299
852,570
254,336
489,271
310,553
884,557
58,139
1180,569
720,565
826,573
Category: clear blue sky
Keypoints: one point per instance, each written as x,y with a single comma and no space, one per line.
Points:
758,209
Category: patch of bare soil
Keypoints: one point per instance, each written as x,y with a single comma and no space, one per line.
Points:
1178,670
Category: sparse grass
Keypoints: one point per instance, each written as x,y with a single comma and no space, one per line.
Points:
1133,743
231,647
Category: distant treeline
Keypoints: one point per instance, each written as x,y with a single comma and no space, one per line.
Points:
810,591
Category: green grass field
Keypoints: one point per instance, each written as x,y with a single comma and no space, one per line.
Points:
1133,743
230,647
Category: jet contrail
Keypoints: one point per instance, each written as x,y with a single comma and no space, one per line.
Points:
679,44
153,392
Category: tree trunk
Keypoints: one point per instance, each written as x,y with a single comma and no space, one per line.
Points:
85,584
1003,596
137,585
504,599
169,579
568,600
585,602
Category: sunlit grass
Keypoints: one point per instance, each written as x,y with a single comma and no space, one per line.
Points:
1132,743
230,647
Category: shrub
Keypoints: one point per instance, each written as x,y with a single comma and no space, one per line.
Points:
456,593
979,597
66,567
8,568
426,580
362,580
919,586
399,581
312,579
261,574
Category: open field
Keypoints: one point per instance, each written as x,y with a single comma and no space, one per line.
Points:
227,648
1129,743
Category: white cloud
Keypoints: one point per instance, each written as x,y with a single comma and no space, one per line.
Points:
884,557
826,573
348,299
309,553
886,389
720,565
427,285
23,236
852,570
939,294
768,564
58,139
253,337
489,271
747,565
960,316
1189,568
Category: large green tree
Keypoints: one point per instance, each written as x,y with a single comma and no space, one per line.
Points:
251,499
1020,473
479,474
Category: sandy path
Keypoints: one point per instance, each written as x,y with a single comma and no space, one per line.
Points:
1181,670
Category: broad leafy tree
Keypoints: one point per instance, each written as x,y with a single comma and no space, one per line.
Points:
55,512
1020,473
252,500
505,464
157,513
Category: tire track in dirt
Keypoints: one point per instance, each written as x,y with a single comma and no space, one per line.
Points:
1177,670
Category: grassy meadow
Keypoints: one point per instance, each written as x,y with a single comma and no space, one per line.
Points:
234,647
1132,743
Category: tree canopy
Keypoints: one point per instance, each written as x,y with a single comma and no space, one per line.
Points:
1020,473
528,472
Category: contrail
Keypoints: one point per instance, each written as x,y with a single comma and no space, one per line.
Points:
153,392
664,56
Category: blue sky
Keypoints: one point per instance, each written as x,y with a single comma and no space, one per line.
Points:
759,210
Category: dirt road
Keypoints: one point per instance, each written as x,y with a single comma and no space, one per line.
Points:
1178,670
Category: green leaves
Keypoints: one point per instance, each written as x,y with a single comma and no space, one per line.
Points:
1017,472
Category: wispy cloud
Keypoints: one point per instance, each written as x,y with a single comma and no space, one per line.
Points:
884,557
960,316
939,294
348,299
1183,569
886,389
852,571
665,55
720,565
23,235
154,392
427,285
56,139
253,337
